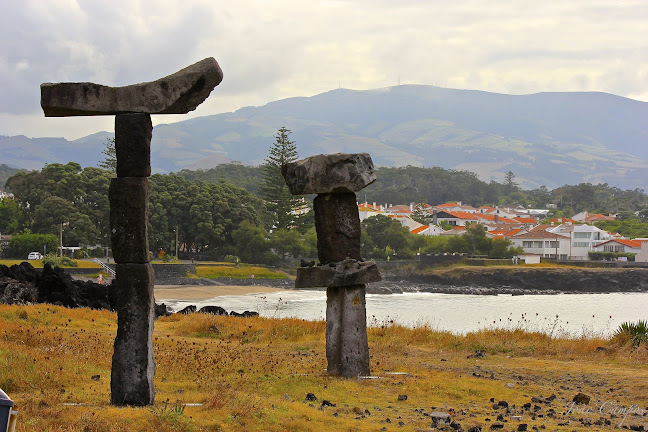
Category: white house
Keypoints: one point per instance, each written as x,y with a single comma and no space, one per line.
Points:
366,210
583,238
429,230
543,243
642,256
619,245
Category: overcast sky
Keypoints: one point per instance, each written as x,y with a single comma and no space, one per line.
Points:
271,50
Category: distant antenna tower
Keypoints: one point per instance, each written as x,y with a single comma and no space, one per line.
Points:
398,79
339,85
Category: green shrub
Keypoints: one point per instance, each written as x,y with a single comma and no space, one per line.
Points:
56,261
610,256
231,259
636,333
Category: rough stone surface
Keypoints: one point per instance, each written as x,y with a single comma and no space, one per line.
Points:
133,133
133,366
22,283
178,93
344,273
347,349
337,223
332,173
128,219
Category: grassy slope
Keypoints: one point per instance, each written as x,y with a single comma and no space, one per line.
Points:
253,374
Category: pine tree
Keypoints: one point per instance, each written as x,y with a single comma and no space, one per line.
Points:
279,201
509,182
110,161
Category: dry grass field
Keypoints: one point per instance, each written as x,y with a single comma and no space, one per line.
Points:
217,373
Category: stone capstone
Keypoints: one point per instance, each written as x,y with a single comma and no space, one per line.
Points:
329,173
344,273
128,219
178,93
337,223
347,348
133,133
133,366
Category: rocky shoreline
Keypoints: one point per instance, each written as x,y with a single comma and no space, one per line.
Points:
512,280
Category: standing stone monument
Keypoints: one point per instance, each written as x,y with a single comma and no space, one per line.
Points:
133,365
336,178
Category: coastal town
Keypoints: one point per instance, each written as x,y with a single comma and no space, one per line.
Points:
539,235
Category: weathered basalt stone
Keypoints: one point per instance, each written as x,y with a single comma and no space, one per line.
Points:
133,133
337,223
129,219
332,173
133,366
178,93
347,348
344,273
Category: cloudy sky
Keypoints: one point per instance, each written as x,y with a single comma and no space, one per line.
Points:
271,50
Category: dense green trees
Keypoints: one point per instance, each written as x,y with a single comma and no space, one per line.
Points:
8,215
5,172
243,176
632,227
205,214
84,189
25,242
215,218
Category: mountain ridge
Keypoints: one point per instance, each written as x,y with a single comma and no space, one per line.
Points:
549,138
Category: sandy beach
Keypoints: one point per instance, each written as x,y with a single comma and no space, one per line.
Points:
200,293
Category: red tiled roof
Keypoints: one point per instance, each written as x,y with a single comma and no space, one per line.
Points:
562,220
631,243
462,215
368,207
541,227
399,209
491,218
525,219
419,229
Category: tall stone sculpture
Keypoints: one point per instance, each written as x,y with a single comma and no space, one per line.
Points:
133,365
336,178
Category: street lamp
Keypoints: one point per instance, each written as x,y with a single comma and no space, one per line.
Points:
176,242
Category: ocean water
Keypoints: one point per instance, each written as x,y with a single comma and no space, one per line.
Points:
564,314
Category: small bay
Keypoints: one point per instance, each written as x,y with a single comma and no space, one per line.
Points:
571,315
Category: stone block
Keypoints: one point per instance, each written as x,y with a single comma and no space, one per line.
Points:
178,93
329,173
133,133
337,223
133,365
345,273
347,348
128,219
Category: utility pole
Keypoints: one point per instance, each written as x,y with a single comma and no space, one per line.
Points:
176,230
61,239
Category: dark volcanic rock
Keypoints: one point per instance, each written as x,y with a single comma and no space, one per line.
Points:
214,310
23,283
511,280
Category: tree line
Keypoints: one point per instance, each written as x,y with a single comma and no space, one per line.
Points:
247,212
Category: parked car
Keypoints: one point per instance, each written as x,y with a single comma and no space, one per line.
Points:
35,256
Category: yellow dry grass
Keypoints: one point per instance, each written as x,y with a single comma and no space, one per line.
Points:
253,374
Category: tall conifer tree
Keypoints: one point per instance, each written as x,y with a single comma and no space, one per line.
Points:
279,201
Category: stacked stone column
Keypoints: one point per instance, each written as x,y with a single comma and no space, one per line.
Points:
336,178
133,366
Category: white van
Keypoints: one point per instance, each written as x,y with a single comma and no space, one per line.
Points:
35,256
